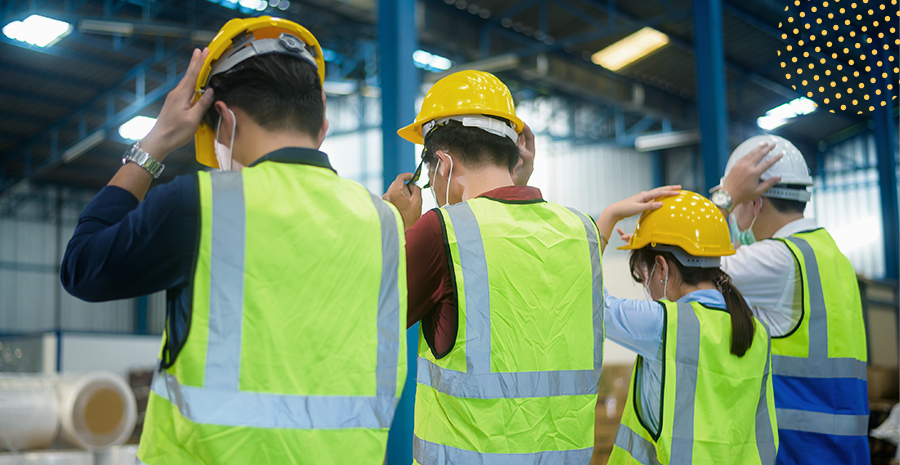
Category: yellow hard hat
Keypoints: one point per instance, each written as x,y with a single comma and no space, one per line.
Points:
687,220
240,39
466,93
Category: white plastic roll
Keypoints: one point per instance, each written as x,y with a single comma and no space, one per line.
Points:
48,458
97,409
119,455
29,412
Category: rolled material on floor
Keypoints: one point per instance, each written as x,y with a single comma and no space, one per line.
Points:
49,458
29,412
97,410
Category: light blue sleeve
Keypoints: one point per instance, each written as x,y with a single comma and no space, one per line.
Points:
635,324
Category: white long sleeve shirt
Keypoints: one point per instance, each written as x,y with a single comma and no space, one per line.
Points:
766,274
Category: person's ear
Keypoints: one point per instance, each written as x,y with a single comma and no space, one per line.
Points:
226,122
663,266
444,168
324,130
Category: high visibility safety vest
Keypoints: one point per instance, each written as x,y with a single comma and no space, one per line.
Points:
520,384
717,408
821,393
296,348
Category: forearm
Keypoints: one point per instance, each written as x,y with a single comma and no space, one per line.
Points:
606,222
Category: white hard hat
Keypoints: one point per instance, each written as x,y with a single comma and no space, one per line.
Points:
792,167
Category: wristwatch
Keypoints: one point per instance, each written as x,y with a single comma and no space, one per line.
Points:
722,200
143,159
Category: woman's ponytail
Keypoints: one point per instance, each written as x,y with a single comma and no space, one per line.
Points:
742,327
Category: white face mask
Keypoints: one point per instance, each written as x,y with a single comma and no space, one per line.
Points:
223,153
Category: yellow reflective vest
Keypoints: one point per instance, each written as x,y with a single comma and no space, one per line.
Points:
717,408
520,382
821,392
295,352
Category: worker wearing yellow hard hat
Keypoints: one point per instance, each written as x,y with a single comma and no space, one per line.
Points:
802,285
506,285
286,283
701,390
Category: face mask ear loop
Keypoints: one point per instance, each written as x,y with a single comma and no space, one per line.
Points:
449,177
231,145
665,286
647,283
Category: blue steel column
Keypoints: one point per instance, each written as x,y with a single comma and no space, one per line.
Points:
885,146
399,87
710,57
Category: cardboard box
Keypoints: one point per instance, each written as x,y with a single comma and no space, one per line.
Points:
884,382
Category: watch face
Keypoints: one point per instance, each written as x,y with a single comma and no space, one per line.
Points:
720,199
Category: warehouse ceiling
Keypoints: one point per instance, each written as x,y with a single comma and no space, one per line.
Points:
60,106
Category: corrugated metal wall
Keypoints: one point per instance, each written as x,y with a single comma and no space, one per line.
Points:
847,202
31,245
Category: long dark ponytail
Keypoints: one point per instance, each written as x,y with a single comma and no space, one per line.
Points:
742,327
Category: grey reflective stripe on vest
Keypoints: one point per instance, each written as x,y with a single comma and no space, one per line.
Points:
478,381
263,410
765,437
824,423
639,448
388,302
429,453
226,282
220,402
687,361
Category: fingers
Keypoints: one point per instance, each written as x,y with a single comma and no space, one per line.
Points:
403,177
757,154
764,186
764,166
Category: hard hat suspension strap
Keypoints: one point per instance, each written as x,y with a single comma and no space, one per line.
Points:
285,44
491,125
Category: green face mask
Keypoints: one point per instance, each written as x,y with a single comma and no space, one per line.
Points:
741,237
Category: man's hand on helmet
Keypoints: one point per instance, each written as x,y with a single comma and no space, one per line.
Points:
180,116
742,182
525,166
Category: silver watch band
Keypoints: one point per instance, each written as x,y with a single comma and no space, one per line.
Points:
143,159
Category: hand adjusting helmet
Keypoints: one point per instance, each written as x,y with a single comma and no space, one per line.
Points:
242,39
792,168
689,226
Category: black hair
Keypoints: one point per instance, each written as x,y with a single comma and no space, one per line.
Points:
474,147
280,92
742,325
789,206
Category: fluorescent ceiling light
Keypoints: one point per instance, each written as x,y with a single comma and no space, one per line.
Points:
339,87
630,49
665,140
780,115
37,30
257,5
431,62
136,128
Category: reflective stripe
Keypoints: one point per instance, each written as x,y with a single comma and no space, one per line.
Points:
639,448
818,318
429,453
226,282
263,410
507,385
478,382
818,368
388,302
475,281
687,360
765,437
823,423
596,287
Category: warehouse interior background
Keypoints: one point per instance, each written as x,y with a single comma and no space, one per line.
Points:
709,74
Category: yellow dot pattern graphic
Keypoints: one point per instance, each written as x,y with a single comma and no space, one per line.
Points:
859,52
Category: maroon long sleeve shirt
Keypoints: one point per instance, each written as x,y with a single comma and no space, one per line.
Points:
431,297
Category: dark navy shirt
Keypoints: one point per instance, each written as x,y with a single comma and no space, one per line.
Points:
123,248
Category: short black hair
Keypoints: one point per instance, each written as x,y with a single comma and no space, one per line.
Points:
789,206
474,147
280,92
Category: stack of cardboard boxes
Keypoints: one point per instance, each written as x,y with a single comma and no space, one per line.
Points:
615,381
